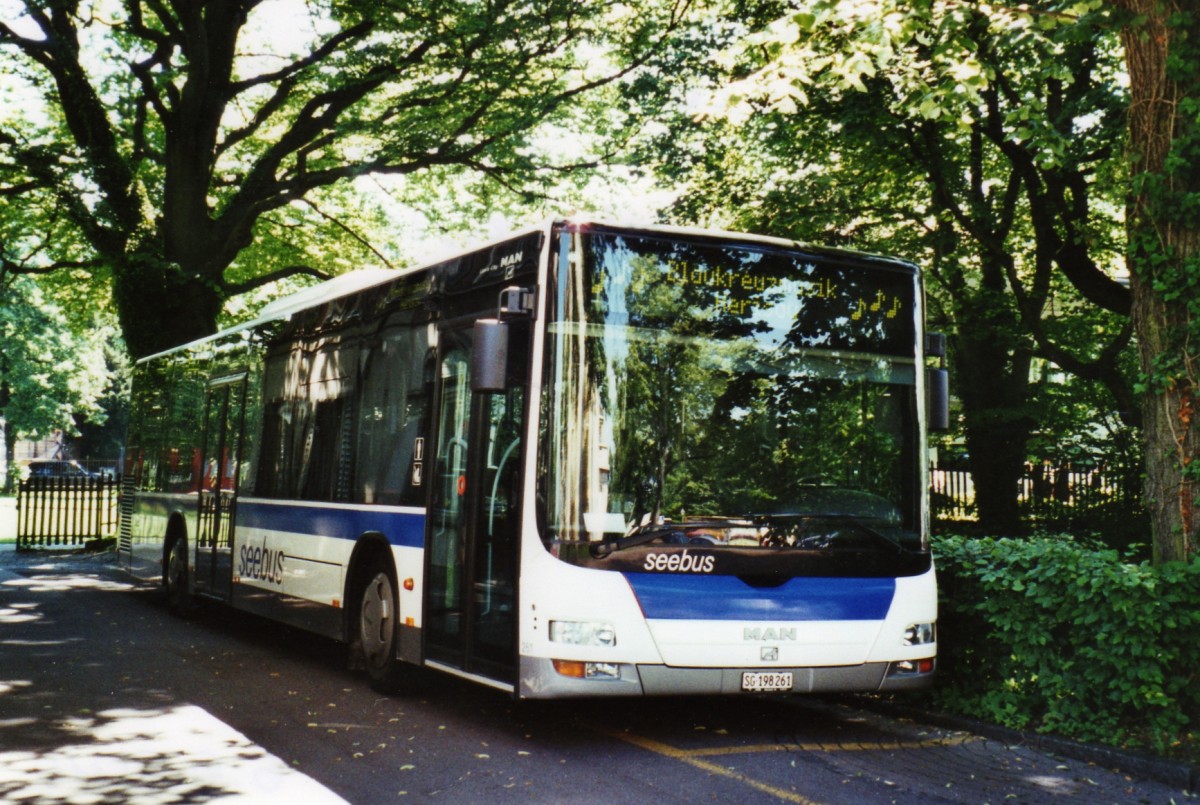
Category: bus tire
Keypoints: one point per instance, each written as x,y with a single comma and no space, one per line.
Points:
175,579
378,630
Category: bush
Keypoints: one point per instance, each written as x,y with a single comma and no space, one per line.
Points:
1056,635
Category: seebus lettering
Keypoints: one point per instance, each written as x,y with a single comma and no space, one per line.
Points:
260,563
679,563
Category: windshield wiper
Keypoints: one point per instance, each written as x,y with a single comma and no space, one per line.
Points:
639,535
856,521
686,532
860,523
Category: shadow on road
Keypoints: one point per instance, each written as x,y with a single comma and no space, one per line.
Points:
88,713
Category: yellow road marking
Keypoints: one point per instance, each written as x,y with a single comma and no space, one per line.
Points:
692,760
881,746
695,757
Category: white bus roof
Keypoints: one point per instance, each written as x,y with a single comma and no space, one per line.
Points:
359,280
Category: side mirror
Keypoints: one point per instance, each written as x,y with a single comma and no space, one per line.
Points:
937,399
489,358
937,384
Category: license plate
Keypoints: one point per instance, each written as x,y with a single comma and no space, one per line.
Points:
763,680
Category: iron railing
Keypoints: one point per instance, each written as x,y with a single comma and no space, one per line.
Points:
1047,493
65,512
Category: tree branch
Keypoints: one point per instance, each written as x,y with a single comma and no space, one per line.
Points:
349,231
235,288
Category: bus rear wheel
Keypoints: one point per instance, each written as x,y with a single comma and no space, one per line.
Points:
378,629
175,579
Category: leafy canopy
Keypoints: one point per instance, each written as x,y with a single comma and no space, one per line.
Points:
197,151
50,378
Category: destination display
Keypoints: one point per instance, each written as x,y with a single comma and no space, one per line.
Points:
805,300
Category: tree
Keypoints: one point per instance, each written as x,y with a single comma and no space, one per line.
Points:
181,151
50,379
971,141
102,438
1162,51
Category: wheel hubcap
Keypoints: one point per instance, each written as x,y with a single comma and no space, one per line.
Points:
175,567
376,618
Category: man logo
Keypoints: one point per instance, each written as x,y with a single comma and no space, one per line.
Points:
769,633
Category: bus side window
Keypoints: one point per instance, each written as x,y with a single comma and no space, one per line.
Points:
392,413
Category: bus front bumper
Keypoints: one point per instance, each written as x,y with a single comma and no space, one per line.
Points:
549,679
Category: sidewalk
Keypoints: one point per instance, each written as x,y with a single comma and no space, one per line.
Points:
8,520
65,558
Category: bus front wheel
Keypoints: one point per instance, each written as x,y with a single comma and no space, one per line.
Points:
378,616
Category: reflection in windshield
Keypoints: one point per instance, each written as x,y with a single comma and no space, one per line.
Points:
729,397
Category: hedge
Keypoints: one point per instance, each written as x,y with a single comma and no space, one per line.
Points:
1058,635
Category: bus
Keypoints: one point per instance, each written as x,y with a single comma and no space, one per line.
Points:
583,460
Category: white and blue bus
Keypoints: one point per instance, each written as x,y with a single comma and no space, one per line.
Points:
585,460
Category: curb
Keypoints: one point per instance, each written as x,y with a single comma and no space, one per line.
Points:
1184,776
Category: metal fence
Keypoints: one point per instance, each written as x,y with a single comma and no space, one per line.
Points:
65,512
1046,492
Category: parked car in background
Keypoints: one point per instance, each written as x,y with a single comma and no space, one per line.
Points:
54,468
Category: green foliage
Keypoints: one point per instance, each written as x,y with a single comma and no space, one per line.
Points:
1056,635
195,154
52,375
102,437
983,143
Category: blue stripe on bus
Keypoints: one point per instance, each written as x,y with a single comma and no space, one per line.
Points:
400,528
703,597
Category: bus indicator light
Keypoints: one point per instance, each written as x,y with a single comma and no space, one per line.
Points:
588,670
912,667
571,668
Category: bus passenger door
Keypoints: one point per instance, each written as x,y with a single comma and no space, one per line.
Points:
218,488
470,610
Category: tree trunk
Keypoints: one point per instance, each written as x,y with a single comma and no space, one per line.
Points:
5,429
992,358
1162,51
10,452
1170,441
993,387
161,304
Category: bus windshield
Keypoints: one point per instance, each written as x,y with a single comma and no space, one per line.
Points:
729,398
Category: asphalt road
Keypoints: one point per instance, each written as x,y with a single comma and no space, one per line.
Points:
105,697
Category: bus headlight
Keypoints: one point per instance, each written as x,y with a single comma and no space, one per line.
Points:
583,633
918,634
